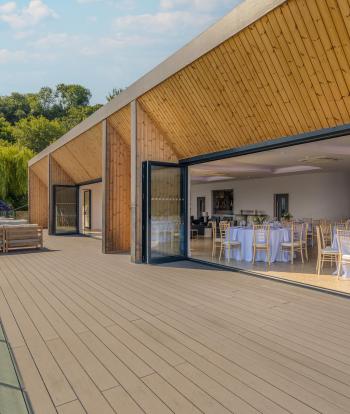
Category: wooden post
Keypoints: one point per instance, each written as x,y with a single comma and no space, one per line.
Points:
50,196
104,185
133,107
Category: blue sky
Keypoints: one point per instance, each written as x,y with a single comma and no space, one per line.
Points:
100,44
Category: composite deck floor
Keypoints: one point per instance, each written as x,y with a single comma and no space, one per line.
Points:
93,333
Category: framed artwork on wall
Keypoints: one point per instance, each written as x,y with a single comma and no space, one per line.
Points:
222,202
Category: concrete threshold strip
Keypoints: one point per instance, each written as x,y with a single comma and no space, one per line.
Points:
13,399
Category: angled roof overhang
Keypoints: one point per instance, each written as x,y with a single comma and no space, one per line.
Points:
239,18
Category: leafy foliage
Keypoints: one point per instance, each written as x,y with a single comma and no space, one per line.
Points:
30,122
37,133
13,173
115,92
5,130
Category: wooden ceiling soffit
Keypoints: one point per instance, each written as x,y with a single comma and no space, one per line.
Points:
121,122
41,170
287,73
82,157
162,136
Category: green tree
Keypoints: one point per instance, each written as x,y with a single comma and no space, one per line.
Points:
13,173
36,133
70,96
5,130
115,92
14,107
75,115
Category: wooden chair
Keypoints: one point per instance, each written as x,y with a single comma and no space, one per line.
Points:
325,253
261,240
326,233
343,237
309,230
2,239
298,241
23,236
216,239
226,242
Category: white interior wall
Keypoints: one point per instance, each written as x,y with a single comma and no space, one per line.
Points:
96,206
313,195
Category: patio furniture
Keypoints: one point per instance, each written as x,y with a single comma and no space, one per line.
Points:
343,237
227,242
23,236
298,241
2,239
325,253
261,240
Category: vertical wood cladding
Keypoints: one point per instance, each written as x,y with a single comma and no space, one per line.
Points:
117,192
152,145
38,200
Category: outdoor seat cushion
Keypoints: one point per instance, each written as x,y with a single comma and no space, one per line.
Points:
232,243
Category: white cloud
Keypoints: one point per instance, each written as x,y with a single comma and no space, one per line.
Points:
8,7
161,22
199,5
9,56
28,16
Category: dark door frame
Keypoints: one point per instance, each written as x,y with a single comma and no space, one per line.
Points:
283,142
146,212
87,190
55,186
275,196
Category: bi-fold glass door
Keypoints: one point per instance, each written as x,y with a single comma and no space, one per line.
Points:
164,212
66,209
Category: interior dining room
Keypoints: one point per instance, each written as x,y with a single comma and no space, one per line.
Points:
278,213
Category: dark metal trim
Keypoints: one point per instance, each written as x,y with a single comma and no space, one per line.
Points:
283,142
54,209
95,181
90,207
146,211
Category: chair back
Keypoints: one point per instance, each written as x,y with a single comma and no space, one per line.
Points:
224,229
261,234
343,237
320,243
326,232
299,232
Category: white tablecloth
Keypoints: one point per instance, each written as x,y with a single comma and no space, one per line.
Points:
245,236
163,231
345,271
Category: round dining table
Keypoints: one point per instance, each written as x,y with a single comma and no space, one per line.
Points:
245,236
345,267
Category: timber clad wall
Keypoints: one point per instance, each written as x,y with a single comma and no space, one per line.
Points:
117,193
56,176
38,200
285,74
152,144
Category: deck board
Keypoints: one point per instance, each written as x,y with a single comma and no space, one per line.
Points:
95,333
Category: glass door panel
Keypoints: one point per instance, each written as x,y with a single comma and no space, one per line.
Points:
87,210
66,209
166,218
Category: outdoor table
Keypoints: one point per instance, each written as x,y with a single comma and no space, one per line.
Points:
345,271
245,253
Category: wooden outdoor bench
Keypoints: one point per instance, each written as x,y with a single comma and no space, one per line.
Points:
2,239
23,236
